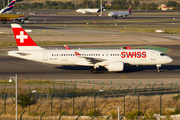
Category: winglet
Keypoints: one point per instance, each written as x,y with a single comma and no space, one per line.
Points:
77,54
67,48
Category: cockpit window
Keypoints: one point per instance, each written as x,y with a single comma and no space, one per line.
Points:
163,54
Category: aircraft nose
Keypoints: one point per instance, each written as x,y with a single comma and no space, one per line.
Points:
109,15
169,60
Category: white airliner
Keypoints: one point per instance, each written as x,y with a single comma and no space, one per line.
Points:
122,14
111,59
90,10
8,8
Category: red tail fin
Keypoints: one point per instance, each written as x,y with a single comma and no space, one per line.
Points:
129,10
23,40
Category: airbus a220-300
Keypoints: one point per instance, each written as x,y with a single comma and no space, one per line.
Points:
111,59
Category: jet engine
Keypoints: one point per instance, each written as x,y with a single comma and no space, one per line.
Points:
83,12
22,21
115,66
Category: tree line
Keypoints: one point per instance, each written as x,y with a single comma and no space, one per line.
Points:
115,4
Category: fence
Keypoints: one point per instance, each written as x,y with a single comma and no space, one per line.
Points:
65,98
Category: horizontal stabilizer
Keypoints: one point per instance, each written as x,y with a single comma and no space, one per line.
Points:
23,54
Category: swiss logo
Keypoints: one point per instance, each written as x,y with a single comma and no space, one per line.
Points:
22,37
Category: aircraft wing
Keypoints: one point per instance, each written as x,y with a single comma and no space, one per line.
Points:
87,11
15,19
93,60
20,19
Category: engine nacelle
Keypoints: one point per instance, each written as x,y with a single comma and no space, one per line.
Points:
115,66
22,20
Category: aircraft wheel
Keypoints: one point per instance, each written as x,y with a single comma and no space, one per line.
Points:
115,17
95,71
158,68
158,71
4,22
92,69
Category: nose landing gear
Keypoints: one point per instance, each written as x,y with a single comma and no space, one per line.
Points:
158,66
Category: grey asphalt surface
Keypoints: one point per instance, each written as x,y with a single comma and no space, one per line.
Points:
63,19
35,70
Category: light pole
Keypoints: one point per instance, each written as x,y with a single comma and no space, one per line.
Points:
3,3
101,7
10,80
118,111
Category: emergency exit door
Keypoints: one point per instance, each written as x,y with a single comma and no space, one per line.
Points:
153,56
45,56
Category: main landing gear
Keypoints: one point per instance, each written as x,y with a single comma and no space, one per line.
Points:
158,66
93,68
4,22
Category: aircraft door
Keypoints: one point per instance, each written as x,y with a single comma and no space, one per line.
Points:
153,56
45,56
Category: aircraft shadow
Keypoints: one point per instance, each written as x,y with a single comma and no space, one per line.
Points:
127,69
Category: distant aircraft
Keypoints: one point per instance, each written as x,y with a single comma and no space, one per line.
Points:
90,10
13,17
8,8
117,14
111,59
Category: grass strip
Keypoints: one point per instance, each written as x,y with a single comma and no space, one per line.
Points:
165,50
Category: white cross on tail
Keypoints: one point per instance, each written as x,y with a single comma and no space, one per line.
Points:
21,36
